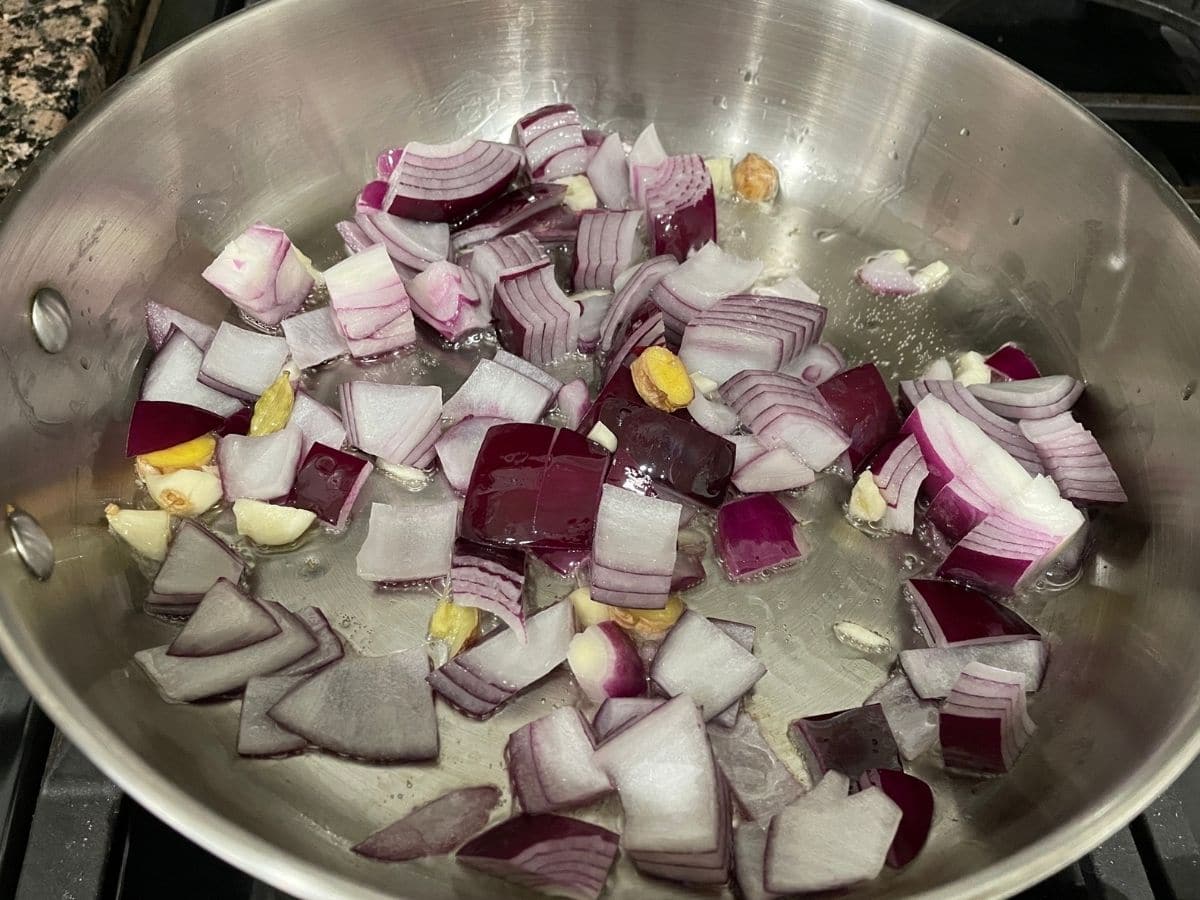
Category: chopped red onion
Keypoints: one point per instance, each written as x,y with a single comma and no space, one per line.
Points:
950,614
447,298
550,763
849,741
313,338
396,422
187,678
329,645
445,182
242,363
159,424
354,239
689,566
680,203
512,251
633,551
759,470
1073,458
826,841
497,391
546,133
863,409
225,620
933,670
258,733
1001,554
913,721
491,579
699,659
480,680
605,663
528,369
899,470
609,173
173,376
408,543
546,853
1009,361
328,482
370,303
434,828
1030,398
632,297
259,468
536,487
887,275
757,535
783,411
608,243
700,281
375,708
712,415
594,307
983,725
761,784
262,273
196,560
564,562
519,207
616,713
650,332
915,800
573,402
317,423
458,447
161,319
534,318
749,848
413,245
677,821
370,198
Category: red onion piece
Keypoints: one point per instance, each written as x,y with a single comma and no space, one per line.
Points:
316,422
313,338
823,841
445,182
370,303
605,662
647,154
1030,398
490,579
1001,555
759,470
536,487
259,734
887,275
434,828
447,298
749,848
370,198
913,721
413,245
616,713
458,447
849,741
756,535
863,408
689,567
528,369
387,160
817,364
699,659
1011,362
633,551
158,424
951,615
547,853
700,281
262,273
329,645
354,239
161,319
491,258
534,318
650,332
392,421
259,468
573,402
242,363
480,680
187,678
173,376
408,543
237,422
933,670
783,411
608,243
915,800
225,620
632,296
983,725
564,562
609,173
328,482
550,763
681,206
196,560
1073,458
761,784
519,208
375,708
547,132
497,391
899,470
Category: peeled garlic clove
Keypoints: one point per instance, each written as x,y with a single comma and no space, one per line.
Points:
588,611
145,530
186,492
270,525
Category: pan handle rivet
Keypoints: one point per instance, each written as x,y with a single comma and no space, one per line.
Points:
51,318
31,542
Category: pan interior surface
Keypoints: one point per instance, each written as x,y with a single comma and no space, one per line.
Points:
889,131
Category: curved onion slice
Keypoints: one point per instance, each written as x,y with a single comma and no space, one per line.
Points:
490,579
459,445
1073,458
506,214
759,470
756,535
1002,554
899,470
950,615
498,391
712,415
1011,362
933,670
396,422
313,338
447,298
849,741
887,275
632,297
173,376
225,620
681,206
329,646
699,659
258,733
158,424
259,468
633,551
913,721
370,304
196,560
434,828
863,409
546,133
550,763
491,258
650,332
616,713
983,725
528,369
608,243
161,319
609,173
354,239
783,411
242,363
915,800
445,182
605,663
700,281
573,402
316,422
534,318
547,853
1030,398
408,543
328,482
374,708
594,306
262,273
762,785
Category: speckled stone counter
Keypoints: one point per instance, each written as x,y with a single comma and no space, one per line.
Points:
56,56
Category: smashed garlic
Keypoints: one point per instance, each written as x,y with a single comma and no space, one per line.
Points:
145,530
185,492
189,455
939,370
602,435
411,477
756,179
866,503
703,384
720,169
452,627
971,368
649,622
662,380
931,277
580,195
587,611
270,525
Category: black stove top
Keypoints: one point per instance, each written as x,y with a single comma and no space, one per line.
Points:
69,832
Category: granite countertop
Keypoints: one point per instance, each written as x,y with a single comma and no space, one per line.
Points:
56,56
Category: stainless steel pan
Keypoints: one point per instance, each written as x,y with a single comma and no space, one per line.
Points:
890,131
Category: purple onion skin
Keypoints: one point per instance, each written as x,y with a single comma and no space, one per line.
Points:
1013,363
237,423
755,534
915,800
507,208
373,193
863,408
625,675
850,741
324,481
973,744
445,210
967,615
679,232
158,424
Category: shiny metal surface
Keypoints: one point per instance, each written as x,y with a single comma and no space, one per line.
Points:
889,131
50,318
31,543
